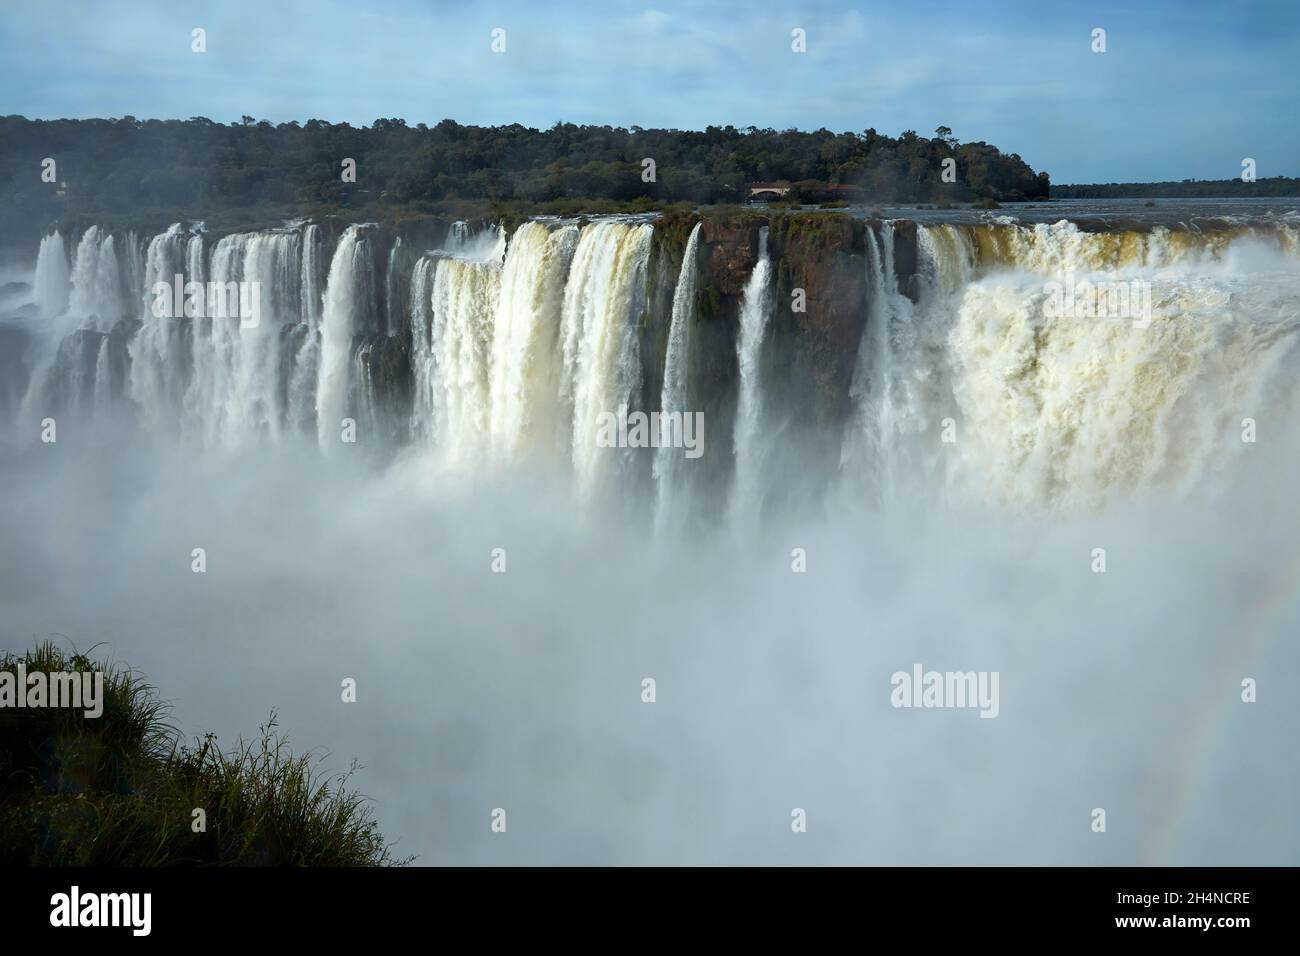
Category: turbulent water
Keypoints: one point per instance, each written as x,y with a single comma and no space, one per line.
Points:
750,446
989,443
668,468
964,389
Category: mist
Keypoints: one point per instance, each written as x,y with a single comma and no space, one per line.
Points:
522,690
502,588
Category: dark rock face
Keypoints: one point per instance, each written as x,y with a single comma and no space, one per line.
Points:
905,259
387,359
15,366
810,349
728,251
809,356
814,334
815,350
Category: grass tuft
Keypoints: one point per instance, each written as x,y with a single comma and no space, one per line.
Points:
122,790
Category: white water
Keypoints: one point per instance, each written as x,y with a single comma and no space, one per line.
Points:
464,300
669,470
272,267
392,321
518,347
1073,412
774,687
422,362
344,288
520,342
209,398
302,380
600,359
749,438
102,396
52,282
526,366
155,383
96,298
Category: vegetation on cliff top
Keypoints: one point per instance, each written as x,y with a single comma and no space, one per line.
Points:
1186,189
126,165
117,789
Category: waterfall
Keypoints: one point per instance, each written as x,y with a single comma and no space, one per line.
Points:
363,390
96,298
755,311
194,262
464,300
52,282
600,359
215,350
272,269
457,236
346,287
668,468
525,375
133,266
156,382
312,294
964,389
392,291
1070,410
102,394
422,362
867,444
302,379
516,357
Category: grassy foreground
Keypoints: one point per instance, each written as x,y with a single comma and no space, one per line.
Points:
120,790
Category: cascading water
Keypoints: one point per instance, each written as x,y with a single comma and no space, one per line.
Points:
668,468
755,312
392,292
879,407
52,282
457,236
272,269
525,373
422,362
349,281
96,299
103,387
59,378
158,369
1069,410
302,378
215,348
517,357
965,389
464,299
600,361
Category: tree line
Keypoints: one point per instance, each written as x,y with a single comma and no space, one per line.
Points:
1183,189
124,164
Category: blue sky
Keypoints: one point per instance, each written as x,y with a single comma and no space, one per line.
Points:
1184,89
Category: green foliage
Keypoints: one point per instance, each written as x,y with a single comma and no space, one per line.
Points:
197,166
117,790
1186,189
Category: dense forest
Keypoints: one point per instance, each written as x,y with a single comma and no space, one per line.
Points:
121,165
1186,189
